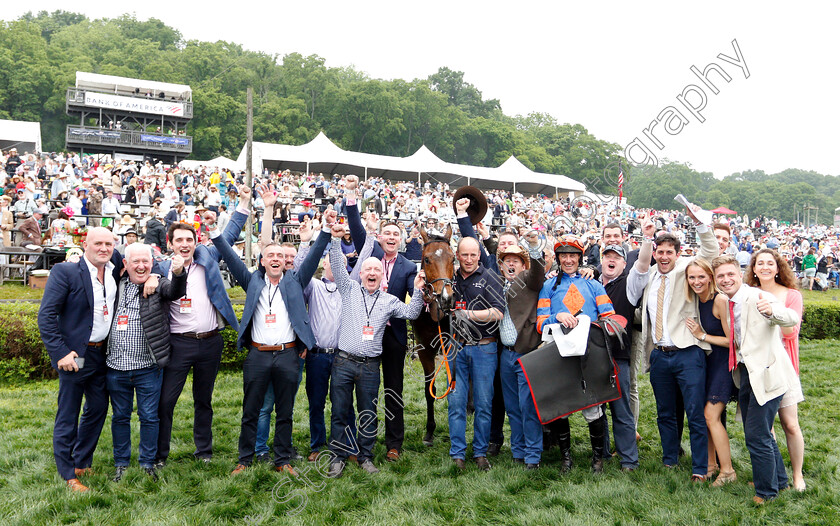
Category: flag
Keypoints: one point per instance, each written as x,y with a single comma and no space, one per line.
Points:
620,182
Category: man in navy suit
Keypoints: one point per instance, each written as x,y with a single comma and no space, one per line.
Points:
398,281
195,321
74,321
276,332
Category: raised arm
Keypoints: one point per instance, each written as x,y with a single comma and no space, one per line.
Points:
367,251
310,264
339,269
224,249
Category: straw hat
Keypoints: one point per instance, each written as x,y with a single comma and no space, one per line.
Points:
127,220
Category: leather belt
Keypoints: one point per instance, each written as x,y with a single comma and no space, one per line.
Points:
483,341
667,348
197,335
279,347
324,350
96,344
356,358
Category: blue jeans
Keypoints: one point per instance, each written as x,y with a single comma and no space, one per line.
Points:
767,466
347,375
623,423
264,421
525,428
683,370
318,367
121,386
476,363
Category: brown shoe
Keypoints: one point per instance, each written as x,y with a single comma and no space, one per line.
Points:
83,471
77,486
459,463
313,456
700,479
353,458
758,501
483,463
392,455
238,469
287,468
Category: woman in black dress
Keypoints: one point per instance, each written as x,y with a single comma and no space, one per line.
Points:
720,388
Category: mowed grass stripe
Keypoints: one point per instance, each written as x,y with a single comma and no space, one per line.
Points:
423,488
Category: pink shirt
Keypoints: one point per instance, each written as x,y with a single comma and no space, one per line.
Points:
200,315
791,341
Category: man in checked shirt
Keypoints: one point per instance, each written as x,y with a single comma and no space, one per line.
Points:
365,312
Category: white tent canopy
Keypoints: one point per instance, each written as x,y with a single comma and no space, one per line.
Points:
218,162
126,86
322,155
25,136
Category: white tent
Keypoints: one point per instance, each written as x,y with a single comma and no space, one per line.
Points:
25,136
220,162
322,155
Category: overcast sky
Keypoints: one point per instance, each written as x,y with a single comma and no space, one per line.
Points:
611,66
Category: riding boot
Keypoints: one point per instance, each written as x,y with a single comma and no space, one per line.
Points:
564,440
596,437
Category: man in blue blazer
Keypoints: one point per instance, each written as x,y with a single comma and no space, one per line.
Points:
399,281
195,321
74,321
276,332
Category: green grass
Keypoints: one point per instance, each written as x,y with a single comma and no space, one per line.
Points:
423,488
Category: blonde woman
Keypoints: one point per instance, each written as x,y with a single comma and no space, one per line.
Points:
720,389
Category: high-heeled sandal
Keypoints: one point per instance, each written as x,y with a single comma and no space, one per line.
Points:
713,469
725,477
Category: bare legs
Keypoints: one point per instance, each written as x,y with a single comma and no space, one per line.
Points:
718,442
795,443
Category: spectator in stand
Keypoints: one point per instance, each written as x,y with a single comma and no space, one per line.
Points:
809,266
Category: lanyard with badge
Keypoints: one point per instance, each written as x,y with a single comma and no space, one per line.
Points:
185,303
122,319
367,330
271,319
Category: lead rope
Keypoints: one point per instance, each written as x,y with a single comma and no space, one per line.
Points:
450,380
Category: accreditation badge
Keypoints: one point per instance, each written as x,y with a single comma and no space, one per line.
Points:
122,322
367,333
271,320
185,306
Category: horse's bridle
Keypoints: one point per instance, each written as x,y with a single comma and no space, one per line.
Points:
429,292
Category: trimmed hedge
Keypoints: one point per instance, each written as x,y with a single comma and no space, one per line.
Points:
821,320
23,356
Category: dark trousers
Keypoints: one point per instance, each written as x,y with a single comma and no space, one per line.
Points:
767,465
261,368
497,411
74,440
203,357
393,367
683,370
346,376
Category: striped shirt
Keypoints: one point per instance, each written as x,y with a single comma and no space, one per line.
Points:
359,309
128,349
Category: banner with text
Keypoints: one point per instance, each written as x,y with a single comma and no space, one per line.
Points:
115,102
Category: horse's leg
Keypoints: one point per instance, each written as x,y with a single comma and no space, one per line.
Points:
427,359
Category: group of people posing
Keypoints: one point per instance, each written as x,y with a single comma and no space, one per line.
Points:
119,326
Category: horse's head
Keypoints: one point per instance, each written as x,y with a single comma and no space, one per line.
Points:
438,262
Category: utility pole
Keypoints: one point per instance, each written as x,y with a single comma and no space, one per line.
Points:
249,225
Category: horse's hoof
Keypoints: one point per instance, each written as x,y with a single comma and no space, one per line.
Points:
428,441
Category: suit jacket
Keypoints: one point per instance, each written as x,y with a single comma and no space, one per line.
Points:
681,306
30,232
208,257
291,289
402,275
763,353
522,298
7,219
65,318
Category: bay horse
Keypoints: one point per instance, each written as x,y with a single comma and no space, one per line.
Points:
438,263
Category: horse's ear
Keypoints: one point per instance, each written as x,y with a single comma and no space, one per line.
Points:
448,233
423,233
